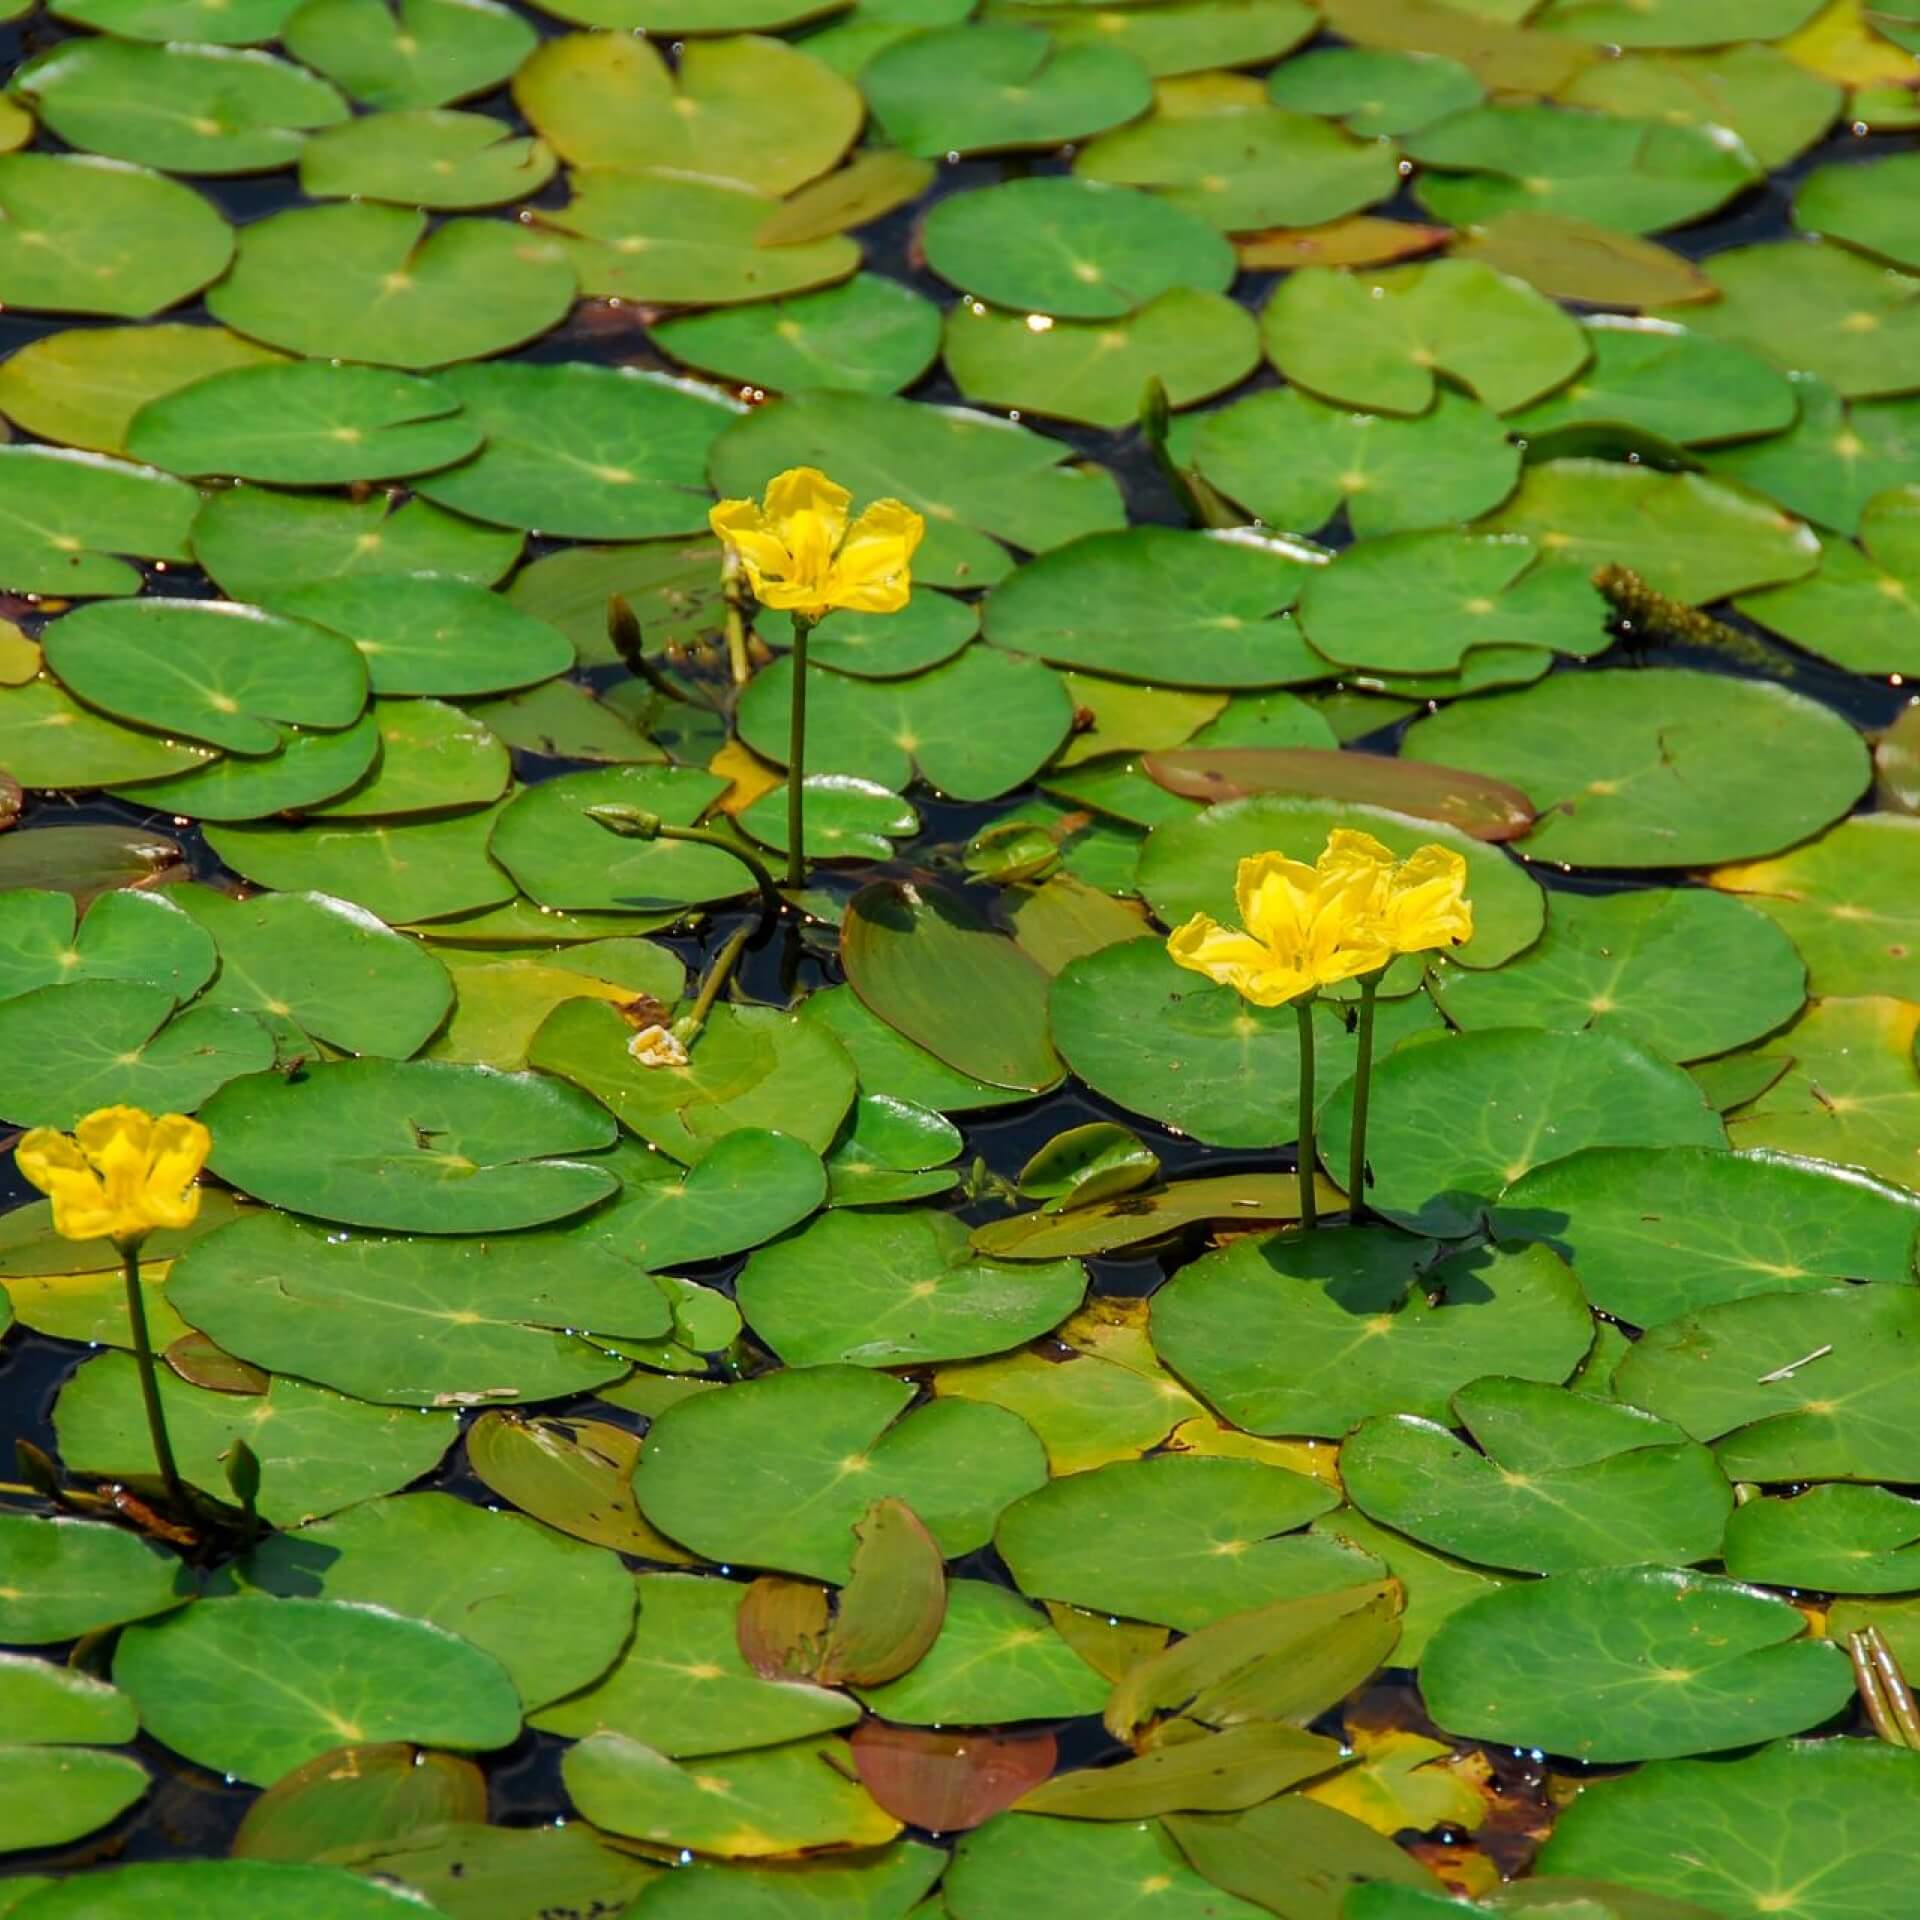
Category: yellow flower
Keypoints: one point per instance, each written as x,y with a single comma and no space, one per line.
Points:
799,552
119,1174
1417,903
1304,929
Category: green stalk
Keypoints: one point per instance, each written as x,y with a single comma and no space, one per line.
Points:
635,823
149,1380
1309,1215
1362,1085
803,627
687,1028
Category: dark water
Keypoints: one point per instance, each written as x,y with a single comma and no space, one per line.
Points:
191,1812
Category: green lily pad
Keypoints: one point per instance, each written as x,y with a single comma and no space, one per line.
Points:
1094,1870
248,669
220,1890
65,514
1162,1041
1422,602
1637,175
1194,344
1673,23
318,1451
82,386
1150,603
504,994
775,1800
996,1659
126,935
187,109
416,1323
47,739
1347,1327
660,238
1663,768
45,1705
66,1050
891,1151
749,111
673,587
751,1067
1834,459
1436,1586
1840,1539
881,1884
566,721
1376,340
987,87
131,242
431,756
554,1612
65,1578
1235,161
1859,609
774,1472
464,1865
420,53
1828,1408
1074,249
1562,1481
363,282
1514,1099
1842,899
977,480
306,769
889,1063
425,157
1188,36
682,1687
1655,1232
1847,1094
252,1687
847,818
1774,104
1666,380
1666,967
1816,309
1179,1539
1295,461
57,1794
216,21
1807,1827
1631,1663
304,424
1187,865
401,870
1375,92
897,1290
561,451
868,335
427,634
257,543
973,727
563,858
439,1148
1868,207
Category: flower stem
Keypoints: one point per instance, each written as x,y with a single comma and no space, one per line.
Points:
1362,1084
635,823
1309,1216
149,1380
733,590
687,1028
797,757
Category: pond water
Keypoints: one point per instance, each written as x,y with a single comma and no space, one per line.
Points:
1512,1545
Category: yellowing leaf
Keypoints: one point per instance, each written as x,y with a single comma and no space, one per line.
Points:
1318,1458
1406,1780
751,777
1838,44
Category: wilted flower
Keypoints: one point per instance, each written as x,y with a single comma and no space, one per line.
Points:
119,1174
657,1046
799,552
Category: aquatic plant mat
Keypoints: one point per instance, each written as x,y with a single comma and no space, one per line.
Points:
700,1405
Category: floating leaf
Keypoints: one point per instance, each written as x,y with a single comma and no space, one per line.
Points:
421,53
949,1782
426,157
66,1578
358,1796
1569,259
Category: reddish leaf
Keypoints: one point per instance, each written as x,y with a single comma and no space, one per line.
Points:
1486,809
781,1627
1361,240
197,1360
949,1782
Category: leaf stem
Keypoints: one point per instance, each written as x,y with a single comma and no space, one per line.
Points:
635,823
149,1379
687,1028
1309,1215
1362,1086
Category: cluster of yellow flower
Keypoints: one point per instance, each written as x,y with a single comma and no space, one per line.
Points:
1345,916
800,554
119,1174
